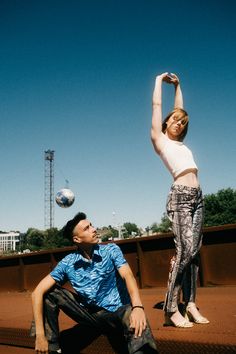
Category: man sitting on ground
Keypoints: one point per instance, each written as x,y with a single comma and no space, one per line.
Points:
106,295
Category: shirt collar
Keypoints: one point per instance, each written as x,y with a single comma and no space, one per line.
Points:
96,255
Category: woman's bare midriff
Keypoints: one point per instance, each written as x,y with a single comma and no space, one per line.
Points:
188,178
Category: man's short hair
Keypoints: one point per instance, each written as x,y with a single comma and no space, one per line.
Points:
71,224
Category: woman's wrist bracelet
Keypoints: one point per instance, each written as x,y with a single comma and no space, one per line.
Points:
137,307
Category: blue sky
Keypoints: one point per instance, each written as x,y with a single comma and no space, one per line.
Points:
77,77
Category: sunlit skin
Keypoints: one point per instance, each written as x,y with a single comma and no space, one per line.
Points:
175,127
85,232
85,237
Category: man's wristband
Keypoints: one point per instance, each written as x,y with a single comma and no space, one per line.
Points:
137,307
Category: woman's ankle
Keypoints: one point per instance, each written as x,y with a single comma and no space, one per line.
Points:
191,305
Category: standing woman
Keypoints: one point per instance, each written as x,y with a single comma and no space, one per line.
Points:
184,204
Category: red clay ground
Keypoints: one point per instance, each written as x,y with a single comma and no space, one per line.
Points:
218,304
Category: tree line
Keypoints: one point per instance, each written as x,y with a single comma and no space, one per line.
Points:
220,209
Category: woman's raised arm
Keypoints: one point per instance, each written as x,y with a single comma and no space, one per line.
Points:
156,130
179,102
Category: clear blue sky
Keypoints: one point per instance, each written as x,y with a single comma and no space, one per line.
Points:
77,77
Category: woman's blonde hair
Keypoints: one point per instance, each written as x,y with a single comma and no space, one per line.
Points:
180,114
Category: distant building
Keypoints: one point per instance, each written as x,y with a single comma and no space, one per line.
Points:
9,241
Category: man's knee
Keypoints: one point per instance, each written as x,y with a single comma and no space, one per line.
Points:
58,295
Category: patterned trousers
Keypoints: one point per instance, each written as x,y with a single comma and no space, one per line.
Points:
115,325
185,211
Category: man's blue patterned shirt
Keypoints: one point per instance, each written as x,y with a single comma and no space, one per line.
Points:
97,281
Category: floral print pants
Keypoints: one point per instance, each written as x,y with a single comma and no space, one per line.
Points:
185,211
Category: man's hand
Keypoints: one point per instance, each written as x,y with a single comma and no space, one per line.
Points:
138,321
41,344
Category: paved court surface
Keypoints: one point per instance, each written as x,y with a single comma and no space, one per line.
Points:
218,304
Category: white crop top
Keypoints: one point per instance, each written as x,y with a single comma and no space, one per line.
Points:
176,156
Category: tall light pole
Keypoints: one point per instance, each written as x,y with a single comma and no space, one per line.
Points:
49,189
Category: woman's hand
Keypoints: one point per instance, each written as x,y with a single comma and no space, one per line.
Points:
162,77
172,78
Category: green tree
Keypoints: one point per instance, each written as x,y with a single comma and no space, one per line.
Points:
109,233
220,208
54,239
163,226
34,239
131,228
154,227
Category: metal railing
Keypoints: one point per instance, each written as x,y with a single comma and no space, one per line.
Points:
149,258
